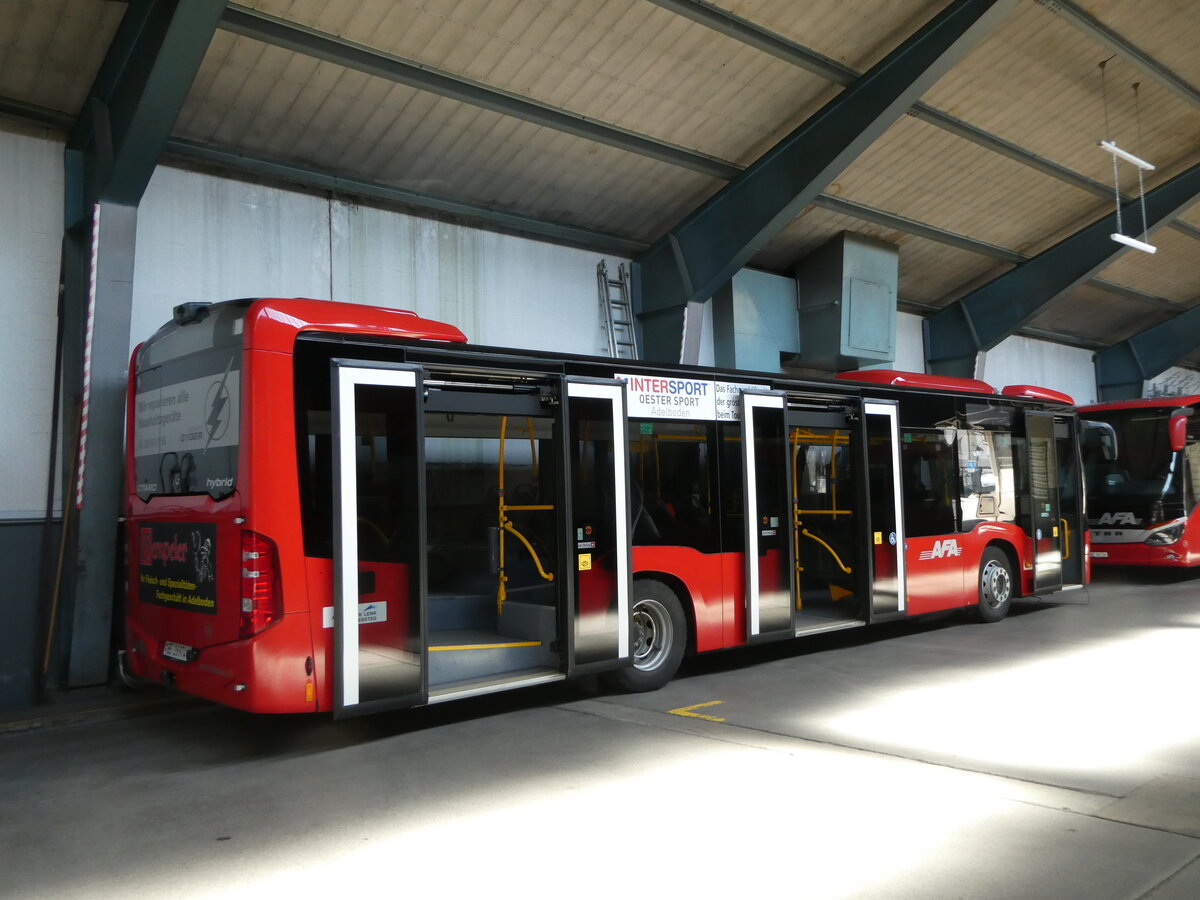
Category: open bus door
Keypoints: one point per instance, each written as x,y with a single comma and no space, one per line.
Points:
380,656
770,609
828,561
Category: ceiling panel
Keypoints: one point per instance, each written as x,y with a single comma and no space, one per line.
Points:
625,62
1167,30
1036,82
1173,272
274,103
925,173
51,50
1097,315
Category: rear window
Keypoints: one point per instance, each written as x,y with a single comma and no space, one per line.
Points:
187,404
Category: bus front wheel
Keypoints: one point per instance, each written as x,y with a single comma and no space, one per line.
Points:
995,585
658,640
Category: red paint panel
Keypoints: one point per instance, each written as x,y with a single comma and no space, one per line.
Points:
272,324
715,583
1033,392
918,379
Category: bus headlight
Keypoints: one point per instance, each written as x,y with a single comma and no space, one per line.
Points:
1168,534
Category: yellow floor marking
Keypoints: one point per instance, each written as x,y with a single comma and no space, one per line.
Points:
486,646
687,711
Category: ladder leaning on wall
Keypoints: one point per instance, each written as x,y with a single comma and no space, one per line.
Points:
616,311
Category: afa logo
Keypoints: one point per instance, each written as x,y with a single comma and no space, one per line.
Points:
1119,518
942,549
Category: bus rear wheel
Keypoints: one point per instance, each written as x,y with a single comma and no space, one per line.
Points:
658,640
995,585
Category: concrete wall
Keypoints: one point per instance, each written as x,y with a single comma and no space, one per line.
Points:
1022,360
31,195
202,237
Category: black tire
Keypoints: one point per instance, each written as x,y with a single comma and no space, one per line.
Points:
658,641
995,586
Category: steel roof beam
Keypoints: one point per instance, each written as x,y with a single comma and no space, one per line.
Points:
1122,369
114,145
987,315
112,150
810,60
703,251
281,33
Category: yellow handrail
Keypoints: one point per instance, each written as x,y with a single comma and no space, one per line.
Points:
1066,553
832,552
506,525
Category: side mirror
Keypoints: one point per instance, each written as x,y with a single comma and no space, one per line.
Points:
1177,430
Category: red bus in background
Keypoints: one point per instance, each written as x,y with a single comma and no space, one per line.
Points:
343,508
1142,499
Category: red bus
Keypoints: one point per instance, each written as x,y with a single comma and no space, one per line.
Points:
342,508
1142,499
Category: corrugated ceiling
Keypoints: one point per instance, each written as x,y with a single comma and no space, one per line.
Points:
638,65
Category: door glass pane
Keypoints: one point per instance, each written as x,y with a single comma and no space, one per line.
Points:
385,657
886,535
1044,506
771,545
598,529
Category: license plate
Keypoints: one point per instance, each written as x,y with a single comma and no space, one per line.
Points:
181,652
1099,554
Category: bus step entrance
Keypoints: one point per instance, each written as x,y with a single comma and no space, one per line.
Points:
468,641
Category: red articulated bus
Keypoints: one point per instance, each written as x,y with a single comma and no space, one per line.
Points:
342,508
1142,499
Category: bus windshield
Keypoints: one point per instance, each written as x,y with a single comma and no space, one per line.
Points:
186,405
1145,473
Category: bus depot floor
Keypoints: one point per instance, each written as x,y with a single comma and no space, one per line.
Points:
1054,755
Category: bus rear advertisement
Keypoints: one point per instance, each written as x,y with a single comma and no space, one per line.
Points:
1142,498
340,508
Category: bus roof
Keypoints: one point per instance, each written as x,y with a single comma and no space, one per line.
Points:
1164,403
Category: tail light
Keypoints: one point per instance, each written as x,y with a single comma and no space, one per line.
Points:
262,602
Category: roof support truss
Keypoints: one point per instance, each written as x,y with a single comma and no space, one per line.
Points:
115,143
704,251
989,314
1122,369
112,150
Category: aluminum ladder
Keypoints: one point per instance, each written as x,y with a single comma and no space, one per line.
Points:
616,311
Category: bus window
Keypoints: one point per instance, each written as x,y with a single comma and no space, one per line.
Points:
733,529
929,471
186,412
671,485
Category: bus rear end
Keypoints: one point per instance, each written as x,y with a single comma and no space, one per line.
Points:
204,606
1142,499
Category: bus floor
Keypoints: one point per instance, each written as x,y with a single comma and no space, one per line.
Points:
1052,755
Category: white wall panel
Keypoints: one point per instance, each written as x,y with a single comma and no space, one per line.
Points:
1022,360
497,288
31,194
202,237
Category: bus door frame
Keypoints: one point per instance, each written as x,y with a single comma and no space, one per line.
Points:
1047,540
887,512
576,550
347,374
759,539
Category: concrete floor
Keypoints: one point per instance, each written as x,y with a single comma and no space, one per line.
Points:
1056,754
